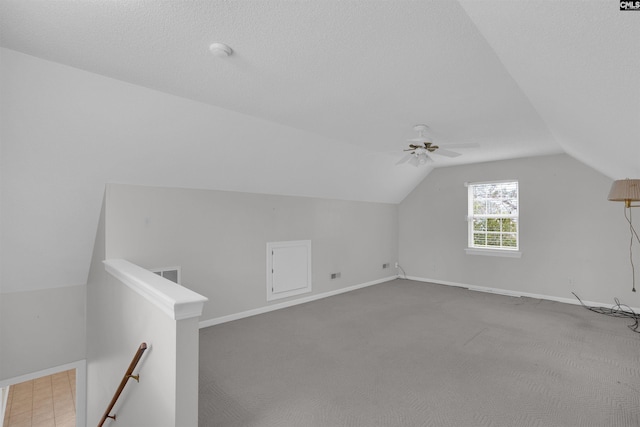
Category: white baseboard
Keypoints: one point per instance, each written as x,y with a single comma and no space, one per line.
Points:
511,293
273,307
506,292
4,393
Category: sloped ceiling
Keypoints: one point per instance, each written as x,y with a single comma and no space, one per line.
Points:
578,63
324,92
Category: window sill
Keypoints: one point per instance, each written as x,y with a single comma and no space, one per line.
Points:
494,252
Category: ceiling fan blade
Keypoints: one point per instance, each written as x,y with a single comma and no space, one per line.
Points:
405,159
462,145
446,153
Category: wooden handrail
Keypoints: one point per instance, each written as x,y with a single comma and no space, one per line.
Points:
123,383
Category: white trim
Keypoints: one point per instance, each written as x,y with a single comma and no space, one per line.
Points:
176,301
273,307
471,216
517,294
506,253
81,385
499,181
4,392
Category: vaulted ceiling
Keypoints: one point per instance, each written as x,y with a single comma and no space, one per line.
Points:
329,91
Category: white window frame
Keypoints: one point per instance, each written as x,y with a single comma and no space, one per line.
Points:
503,251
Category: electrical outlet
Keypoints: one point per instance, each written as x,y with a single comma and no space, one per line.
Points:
385,265
335,276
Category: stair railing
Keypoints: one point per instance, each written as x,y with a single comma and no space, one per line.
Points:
125,378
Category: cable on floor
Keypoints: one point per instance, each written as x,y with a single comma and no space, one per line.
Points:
403,273
618,310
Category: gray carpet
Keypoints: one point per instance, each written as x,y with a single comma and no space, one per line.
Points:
405,353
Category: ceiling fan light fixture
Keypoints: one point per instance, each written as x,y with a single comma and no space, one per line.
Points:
423,158
421,147
419,159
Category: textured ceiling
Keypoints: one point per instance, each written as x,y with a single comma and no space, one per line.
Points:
326,92
360,72
520,77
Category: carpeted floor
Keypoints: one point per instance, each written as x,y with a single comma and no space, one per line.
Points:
406,353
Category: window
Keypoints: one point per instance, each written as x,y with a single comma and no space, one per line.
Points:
493,215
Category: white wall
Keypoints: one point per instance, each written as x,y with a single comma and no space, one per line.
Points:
219,238
122,320
41,329
66,132
121,316
571,237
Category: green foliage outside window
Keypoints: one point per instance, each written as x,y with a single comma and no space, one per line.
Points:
495,232
494,209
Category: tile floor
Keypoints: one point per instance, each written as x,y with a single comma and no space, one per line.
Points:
43,402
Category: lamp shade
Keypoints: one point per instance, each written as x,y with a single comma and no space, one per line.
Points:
624,190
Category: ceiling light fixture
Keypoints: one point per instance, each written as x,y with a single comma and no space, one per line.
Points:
418,159
627,191
220,49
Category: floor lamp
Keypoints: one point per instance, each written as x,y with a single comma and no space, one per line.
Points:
628,191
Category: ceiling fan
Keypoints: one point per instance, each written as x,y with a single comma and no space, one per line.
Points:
421,147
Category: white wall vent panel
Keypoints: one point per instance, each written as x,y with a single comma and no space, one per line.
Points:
169,273
288,268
